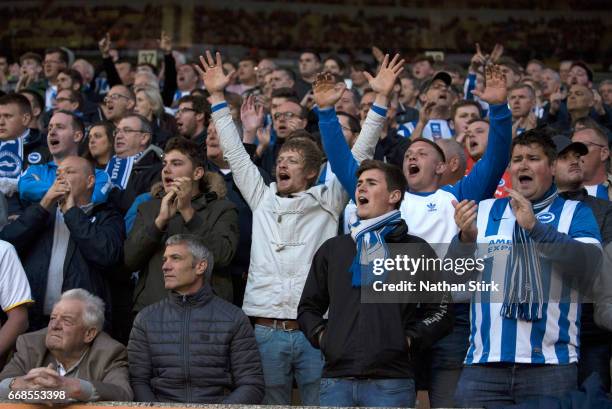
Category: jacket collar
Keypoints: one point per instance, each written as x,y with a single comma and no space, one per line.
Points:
201,297
579,194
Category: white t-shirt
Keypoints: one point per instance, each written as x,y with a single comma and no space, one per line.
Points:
14,286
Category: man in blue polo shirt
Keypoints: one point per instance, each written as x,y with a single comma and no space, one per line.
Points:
66,132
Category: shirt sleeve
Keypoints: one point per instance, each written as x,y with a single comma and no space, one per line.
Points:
14,286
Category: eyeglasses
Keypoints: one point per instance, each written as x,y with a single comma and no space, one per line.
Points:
286,115
184,111
114,97
63,100
127,131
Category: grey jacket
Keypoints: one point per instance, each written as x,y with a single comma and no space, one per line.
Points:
197,348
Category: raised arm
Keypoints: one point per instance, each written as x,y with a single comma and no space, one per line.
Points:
344,163
482,181
244,171
170,86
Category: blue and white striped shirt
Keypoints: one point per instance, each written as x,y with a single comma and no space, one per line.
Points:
554,339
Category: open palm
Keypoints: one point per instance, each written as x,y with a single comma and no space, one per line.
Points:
496,91
387,75
212,74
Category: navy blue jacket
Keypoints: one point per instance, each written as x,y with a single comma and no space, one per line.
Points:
94,249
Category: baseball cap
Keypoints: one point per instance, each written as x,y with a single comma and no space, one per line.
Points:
440,75
563,143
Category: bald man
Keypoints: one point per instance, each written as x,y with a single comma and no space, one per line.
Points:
66,241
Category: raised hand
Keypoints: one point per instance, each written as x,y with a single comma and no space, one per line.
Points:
522,209
426,112
251,115
104,45
326,91
466,212
598,103
165,43
184,189
556,98
496,54
213,77
387,75
167,209
377,54
478,59
56,192
496,91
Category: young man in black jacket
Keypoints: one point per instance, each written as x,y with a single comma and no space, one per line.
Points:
368,346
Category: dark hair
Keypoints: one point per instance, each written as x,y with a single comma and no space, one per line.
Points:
464,103
109,130
393,176
145,124
338,61
199,104
288,93
74,75
303,113
36,97
522,85
233,100
188,148
30,56
76,122
62,53
313,156
538,136
22,102
430,143
359,65
75,96
126,61
313,52
287,71
423,57
352,120
510,63
248,57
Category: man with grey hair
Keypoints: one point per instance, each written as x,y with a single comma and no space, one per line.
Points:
137,164
193,346
72,355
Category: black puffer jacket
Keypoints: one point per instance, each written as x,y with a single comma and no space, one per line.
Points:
197,348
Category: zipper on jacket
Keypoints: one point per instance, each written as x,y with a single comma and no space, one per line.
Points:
186,348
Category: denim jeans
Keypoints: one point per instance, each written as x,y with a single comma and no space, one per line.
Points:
495,385
595,358
399,393
447,357
285,355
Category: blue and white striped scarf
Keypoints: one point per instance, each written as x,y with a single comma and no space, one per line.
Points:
369,235
120,169
523,293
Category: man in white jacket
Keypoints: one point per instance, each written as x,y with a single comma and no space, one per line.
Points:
291,219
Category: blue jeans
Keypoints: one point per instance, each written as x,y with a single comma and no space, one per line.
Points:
285,354
397,393
494,386
447,357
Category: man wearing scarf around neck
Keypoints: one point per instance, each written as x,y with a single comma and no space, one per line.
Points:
368,347
524,341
